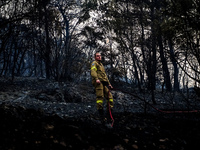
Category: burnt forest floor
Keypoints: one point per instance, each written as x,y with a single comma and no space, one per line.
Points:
27,123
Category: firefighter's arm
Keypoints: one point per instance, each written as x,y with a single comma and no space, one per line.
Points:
109,82
107,79
110,85
94,71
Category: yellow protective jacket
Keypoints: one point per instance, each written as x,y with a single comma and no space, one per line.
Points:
98,72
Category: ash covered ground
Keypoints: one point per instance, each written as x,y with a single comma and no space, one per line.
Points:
44,114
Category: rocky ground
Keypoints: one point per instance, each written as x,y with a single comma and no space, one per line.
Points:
43,114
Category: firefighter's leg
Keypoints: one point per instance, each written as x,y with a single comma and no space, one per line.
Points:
99,98
109,97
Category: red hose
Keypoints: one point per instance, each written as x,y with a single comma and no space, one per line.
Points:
110,110
111,115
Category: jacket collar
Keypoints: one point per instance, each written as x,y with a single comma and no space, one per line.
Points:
99,62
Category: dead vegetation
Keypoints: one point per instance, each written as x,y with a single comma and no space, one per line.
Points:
49,115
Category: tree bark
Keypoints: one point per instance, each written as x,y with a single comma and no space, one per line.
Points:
166,74
48,48
176,70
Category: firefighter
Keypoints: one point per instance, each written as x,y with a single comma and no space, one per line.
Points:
100,82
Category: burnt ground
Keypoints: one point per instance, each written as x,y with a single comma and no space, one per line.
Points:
30,126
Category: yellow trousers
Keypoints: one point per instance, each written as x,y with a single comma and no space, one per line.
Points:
101,93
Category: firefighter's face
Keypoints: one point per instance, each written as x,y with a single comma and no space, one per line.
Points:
98,57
